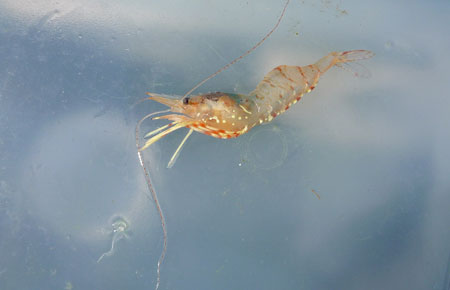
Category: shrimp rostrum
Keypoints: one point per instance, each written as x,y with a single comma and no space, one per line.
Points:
227,115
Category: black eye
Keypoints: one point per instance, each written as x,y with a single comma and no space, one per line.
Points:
186,100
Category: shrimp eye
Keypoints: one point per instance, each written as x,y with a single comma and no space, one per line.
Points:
186,100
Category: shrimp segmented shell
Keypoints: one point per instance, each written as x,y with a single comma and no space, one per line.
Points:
229,115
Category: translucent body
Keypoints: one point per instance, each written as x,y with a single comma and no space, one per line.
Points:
119,231
225,115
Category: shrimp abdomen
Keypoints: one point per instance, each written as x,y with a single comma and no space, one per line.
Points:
282,87
285,85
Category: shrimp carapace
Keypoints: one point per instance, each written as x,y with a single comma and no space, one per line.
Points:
227,115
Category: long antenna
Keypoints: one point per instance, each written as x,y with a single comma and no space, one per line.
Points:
240,57
154,196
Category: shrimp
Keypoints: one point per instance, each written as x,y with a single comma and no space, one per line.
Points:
229,115
196,107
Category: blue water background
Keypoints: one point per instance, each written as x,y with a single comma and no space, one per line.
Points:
241,213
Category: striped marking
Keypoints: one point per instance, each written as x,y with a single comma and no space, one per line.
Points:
245,110
300,70
269,82
215,132
281,72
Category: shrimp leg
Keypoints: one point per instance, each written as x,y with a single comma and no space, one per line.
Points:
149,134
177,152
155,138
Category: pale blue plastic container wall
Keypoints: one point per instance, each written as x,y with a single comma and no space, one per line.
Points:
349,189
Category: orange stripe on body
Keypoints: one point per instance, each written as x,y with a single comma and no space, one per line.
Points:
314,67
269,82
299,68
282,72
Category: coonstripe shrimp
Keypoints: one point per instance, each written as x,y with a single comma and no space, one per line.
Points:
196,108
229,115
